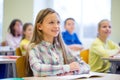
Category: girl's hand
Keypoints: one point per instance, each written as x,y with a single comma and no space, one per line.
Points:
74,66
119,51
75,47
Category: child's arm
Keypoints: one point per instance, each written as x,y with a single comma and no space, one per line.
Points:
84,68
75,47
41,69
103,52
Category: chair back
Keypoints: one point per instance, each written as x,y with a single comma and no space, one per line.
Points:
18,52
29,72
21,67
85,55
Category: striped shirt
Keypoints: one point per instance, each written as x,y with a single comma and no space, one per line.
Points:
46,59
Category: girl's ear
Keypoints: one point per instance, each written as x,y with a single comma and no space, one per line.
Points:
39,26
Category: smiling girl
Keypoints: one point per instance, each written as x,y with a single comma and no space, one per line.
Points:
48,56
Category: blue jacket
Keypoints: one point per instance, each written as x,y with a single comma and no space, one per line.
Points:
70,39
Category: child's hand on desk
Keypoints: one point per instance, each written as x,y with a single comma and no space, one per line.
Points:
75,47
117,54
74,66
119,51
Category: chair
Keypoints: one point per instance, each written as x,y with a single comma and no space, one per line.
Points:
85,55
21,66
18,52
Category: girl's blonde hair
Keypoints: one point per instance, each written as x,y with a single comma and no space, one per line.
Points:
99,24
38,35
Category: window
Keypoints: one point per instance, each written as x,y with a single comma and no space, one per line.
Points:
1,18
87,14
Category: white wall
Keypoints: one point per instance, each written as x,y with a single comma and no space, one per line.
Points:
115,17
41,4
21,9
38,5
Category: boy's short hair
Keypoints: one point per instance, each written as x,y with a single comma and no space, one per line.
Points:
67,20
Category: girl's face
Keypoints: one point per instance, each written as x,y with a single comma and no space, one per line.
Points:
70,25
29,31
105,29
18,27
50,26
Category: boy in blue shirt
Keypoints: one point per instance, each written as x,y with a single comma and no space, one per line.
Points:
69,37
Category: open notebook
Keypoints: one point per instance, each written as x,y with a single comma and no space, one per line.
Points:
81,76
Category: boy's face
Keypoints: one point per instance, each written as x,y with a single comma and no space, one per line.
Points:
70,25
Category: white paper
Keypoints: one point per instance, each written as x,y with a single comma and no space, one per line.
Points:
81,76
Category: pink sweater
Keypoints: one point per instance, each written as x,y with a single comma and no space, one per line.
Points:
13,41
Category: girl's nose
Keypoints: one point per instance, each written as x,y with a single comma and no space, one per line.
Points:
57,25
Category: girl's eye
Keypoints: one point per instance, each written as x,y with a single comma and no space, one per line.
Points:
58,22
104,26
109,26
51,22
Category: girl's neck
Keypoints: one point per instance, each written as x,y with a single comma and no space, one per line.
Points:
103,39
48,39
17,34
28,38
